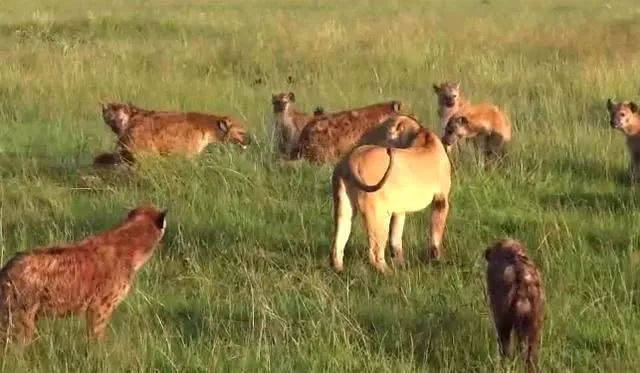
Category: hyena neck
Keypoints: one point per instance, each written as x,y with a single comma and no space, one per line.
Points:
634,129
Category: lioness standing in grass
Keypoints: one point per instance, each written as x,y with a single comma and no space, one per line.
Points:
489,127
328,137
89,277
624,116
386,183
289,122
516,296
173,133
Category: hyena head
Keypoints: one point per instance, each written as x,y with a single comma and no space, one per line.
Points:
152,214
505,250
233,133
141,219
622,115
281,101
448,93
457,127
116,115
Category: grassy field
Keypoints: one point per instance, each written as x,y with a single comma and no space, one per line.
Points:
242,281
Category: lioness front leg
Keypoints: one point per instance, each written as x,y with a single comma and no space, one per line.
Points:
439,212
378,231
397,226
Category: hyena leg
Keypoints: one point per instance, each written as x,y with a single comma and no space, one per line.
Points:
439,212
532,343
343,215
377,224
493,149
26,321
634,169
504,328
397,226
99,313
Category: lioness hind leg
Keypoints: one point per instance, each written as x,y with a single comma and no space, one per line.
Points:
378,232
343,215
397,226
439,212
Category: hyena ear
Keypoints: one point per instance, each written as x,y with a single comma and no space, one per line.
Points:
319,110
487,253
633,106
436,88
464,120
223,125
396,106
161,220
610,104
457,85
104,106
292,97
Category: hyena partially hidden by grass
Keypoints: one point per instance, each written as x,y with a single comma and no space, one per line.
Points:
90,277
516,297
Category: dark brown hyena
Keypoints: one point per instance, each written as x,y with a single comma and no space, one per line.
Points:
89,277
516,296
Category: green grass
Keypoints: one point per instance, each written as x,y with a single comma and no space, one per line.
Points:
241,281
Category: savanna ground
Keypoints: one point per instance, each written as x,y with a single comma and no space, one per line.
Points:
241,281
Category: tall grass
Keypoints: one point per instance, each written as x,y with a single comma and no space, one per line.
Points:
241,281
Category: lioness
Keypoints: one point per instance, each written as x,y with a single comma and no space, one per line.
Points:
411,179
164,133
328,137
624,116
485,122
516,296
90,277
289,122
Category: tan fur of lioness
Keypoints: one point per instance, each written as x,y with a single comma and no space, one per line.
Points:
385,183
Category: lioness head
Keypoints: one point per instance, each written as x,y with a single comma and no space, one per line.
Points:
233,133
402,130
623,114
281,101
116,115
457,127
448,93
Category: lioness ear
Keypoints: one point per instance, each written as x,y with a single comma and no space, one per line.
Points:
610,104
223,125
161,220
457,85
487,253
292,97
436,88
104,106
633,107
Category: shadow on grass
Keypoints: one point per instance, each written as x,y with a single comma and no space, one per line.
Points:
190,322
426,340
